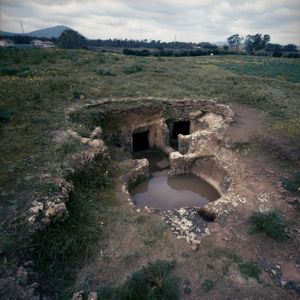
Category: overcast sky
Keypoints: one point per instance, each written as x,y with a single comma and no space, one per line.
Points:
188,20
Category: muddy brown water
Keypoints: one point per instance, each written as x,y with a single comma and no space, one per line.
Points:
171,192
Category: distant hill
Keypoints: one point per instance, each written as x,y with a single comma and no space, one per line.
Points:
50,32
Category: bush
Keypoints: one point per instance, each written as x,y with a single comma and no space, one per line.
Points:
293,184
208,285
249,269
105,72
133,69
70,146
152,281
270,222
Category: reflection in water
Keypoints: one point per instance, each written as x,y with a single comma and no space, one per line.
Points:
158,160
174,192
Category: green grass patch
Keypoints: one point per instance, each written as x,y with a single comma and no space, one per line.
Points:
271,68
271,223
250,270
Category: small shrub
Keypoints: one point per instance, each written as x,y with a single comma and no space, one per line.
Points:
152,281
270,222
293,184
241,147
133,69
208,285
187,290
82,130
103,180
105,72
250,270
48,187
69,146
130,257
100,58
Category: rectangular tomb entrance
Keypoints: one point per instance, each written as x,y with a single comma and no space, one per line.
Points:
140,141
179,127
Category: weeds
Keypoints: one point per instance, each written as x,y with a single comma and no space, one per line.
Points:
82,130
100,58
250,270
63,247
241,147
133,69
271,223
152,281
208,285
293,184
130,257
105,72
70,146
228,253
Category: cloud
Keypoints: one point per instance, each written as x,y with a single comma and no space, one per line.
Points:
189,20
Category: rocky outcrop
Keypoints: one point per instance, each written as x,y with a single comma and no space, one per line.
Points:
138,171
49,204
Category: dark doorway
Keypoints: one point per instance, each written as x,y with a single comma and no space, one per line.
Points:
181,127
140,141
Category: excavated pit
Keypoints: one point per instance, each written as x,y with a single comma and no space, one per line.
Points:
181,137
172,192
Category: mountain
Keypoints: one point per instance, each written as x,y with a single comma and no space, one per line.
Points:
50,32
8,33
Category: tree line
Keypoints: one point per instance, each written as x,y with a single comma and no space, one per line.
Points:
256,44
26,39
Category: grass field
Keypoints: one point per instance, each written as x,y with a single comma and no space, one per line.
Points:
37,85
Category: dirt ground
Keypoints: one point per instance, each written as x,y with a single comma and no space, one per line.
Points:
212,271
